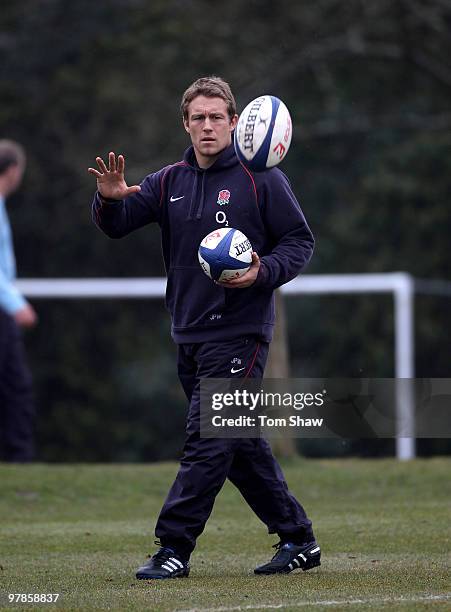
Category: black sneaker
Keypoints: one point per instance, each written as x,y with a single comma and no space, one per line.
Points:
164,564
290,556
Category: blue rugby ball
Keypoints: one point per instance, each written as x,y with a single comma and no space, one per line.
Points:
225,253
263,133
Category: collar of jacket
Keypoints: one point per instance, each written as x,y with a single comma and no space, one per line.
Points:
226,159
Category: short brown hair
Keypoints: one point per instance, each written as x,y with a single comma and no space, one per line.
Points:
11,154
210,87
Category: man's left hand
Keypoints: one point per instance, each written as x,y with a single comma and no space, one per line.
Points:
247,279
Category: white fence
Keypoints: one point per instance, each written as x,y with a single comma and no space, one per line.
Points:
401,285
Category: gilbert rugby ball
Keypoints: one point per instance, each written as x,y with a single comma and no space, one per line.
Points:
225,253
263,133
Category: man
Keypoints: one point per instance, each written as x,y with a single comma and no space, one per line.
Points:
16,403
184,199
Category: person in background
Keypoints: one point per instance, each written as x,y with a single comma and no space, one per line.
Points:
16,397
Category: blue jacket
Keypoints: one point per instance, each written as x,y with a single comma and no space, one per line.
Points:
10,298
185,201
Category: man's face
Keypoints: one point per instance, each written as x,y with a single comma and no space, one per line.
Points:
210,128
12,178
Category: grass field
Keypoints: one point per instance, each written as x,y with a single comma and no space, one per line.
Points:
81,531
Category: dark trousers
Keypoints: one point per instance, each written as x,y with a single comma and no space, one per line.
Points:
206,463
16,397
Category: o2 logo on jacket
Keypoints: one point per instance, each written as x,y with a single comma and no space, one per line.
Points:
221,218
223,197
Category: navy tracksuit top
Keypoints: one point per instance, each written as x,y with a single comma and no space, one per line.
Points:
188,203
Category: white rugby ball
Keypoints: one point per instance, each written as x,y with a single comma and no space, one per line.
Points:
263,133
225,253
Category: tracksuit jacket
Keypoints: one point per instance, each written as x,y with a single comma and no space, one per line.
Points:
188,203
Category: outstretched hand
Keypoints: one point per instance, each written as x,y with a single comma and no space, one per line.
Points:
110,181
247,279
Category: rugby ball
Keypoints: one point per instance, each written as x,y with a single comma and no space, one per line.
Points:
225,253
263,133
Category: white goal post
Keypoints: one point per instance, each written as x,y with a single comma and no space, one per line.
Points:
400,284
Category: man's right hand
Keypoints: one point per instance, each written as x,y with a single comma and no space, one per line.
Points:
110,181
26,316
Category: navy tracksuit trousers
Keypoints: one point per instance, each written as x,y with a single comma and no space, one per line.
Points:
16,395
206,463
